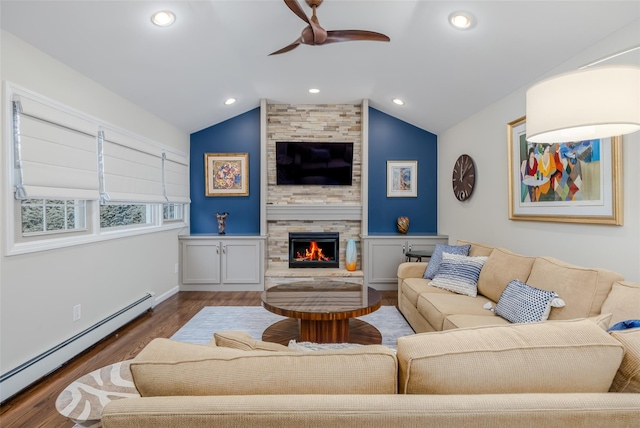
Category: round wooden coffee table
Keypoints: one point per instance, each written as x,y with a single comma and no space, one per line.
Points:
322,312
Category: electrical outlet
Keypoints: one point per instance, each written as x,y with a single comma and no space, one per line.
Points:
176,268
76,312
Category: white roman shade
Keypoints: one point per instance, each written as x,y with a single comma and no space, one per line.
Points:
55,152
131,168
176,178
61,153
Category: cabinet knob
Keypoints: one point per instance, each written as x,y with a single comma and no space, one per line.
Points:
409,248
217,249
404,249
224,249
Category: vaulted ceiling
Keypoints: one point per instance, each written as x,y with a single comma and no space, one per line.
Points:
219,49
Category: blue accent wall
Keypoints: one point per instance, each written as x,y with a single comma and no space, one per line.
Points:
393,139
240,134
389,139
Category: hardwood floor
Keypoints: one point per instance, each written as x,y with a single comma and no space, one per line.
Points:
35,406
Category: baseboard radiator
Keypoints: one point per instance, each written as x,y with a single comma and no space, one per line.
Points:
29,372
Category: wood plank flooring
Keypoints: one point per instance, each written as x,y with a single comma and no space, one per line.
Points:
35,406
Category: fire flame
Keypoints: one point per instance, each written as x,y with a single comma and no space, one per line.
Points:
312,253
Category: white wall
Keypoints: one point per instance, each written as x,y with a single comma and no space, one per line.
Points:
38,290
485,218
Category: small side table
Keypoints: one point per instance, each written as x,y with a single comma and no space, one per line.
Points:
418,255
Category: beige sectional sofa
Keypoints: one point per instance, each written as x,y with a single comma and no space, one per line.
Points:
587,292
562,374
466,366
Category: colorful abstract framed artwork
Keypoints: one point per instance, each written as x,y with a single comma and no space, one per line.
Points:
570,182
226,174
402,179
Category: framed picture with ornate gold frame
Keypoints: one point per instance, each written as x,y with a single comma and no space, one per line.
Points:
570,182
226,174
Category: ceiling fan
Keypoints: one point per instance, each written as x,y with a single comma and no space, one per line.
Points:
314,34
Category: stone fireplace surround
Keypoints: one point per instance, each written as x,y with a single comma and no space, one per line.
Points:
312,208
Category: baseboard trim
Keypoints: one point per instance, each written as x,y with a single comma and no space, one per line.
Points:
27,373
161,298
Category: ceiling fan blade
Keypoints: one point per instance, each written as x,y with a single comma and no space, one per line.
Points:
297,9
351,35
287,48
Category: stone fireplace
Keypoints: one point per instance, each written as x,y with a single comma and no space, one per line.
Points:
314,250
312,208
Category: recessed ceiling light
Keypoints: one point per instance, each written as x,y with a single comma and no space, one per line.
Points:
163,18
314,90
229,101
398,101
462,20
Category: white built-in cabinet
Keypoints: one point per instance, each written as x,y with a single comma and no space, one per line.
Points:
383,253
216,262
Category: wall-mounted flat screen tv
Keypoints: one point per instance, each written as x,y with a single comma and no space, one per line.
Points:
314,163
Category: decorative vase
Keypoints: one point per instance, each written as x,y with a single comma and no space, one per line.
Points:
222,222
403,224
351,256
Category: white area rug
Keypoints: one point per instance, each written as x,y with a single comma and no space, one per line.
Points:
255,319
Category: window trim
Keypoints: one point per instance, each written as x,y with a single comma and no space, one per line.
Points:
95,234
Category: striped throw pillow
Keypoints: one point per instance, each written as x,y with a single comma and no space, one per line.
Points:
459,274
436,257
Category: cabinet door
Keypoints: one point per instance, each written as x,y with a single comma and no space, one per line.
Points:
383,258
201,262
241,262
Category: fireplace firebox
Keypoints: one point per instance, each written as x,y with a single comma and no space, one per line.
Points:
314,249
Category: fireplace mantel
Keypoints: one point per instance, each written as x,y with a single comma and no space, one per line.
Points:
313,212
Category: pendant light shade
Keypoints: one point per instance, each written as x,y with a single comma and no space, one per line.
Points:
592,103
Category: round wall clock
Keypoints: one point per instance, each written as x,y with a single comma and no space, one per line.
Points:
464,177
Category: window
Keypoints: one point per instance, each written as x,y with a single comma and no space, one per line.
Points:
123,215
172,212
63,164
40,216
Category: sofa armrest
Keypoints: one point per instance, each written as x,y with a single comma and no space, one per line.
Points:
411,270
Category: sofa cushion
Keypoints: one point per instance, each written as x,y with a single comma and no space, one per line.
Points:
459,274
583,289
617,302
559,357
627,378
466,321
502,267
477,250
244,341
166,367
603,320
414,287
521,303
436,257
436,307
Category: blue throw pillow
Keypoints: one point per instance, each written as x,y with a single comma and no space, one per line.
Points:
625,325
436,257
522,303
